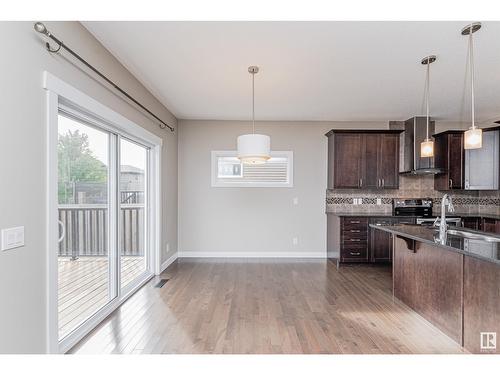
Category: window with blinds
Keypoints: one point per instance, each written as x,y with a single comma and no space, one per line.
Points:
227,170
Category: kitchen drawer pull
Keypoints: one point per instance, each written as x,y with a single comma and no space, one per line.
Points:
354,253
355,239
355,230
354,221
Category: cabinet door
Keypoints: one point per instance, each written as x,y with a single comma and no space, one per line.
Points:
455,161
491,225
347,161
369,171
380,246
388,161
482,167
471,222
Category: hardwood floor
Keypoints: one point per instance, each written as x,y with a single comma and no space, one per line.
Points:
267,306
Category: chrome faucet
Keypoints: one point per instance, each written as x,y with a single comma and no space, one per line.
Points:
445,201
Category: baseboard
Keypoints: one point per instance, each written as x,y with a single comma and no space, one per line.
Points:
258,254
168,262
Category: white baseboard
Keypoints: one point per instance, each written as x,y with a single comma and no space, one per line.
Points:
168,262
258,254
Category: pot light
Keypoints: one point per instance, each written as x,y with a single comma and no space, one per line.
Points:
253,148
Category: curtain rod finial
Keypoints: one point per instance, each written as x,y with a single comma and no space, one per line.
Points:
40,28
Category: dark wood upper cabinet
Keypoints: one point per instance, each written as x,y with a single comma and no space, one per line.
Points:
347,161
363,159
388,161
477,169
449,156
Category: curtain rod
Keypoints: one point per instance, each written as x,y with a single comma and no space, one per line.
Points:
40,27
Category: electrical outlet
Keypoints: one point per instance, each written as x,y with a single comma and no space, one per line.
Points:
379,201
295,201
360,200
295,241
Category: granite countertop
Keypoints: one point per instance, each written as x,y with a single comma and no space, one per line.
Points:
390,214
484,250
365,214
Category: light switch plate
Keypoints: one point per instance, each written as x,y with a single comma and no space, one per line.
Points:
12,238
295,201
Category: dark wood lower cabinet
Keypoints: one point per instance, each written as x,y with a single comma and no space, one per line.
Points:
429,280
458,294
490,225
481,304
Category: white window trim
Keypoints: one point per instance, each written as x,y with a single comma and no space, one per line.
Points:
230,184
59,91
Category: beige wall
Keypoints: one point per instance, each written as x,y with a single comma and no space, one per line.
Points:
23,169
254,220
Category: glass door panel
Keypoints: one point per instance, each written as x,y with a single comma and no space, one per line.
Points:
133,212
84,266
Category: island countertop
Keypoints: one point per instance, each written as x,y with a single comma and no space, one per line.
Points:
480,249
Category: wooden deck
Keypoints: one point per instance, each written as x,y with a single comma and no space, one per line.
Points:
83,287
267,306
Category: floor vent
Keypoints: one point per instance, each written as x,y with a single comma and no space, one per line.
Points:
161,283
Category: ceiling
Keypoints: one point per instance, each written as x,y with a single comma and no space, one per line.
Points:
335,71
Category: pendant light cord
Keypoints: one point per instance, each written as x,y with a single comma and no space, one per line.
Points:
471,63
253,103
427,97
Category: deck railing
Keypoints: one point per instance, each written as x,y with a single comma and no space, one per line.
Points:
86,230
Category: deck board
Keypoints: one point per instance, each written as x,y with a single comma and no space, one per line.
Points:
83,287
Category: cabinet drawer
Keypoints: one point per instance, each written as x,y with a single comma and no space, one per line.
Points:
353,221
356,254
353,241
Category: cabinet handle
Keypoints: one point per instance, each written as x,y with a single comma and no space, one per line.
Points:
355,239
354,253
355,231
383,183
451,183
360,182
354,221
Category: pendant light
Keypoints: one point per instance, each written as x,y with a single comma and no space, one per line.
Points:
473,138
254,148
427,146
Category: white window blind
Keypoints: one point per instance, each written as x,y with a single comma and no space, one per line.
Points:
227,170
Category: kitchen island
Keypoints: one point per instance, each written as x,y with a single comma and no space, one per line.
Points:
452,281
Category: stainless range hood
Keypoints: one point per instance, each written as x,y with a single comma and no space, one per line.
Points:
410,161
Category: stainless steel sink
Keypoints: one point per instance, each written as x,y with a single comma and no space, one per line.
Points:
471,235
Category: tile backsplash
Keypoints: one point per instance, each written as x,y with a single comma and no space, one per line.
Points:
487,202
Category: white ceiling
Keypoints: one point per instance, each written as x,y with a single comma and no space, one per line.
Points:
361,71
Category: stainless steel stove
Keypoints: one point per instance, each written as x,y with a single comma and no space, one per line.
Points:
421,208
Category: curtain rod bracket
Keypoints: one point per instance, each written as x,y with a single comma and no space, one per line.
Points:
40,28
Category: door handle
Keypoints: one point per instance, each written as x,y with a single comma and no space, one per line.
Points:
63,231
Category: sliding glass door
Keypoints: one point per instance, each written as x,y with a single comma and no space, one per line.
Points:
84,254
103,249
133,211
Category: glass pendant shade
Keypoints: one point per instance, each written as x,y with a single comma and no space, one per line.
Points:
254,148
473,138
427,148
